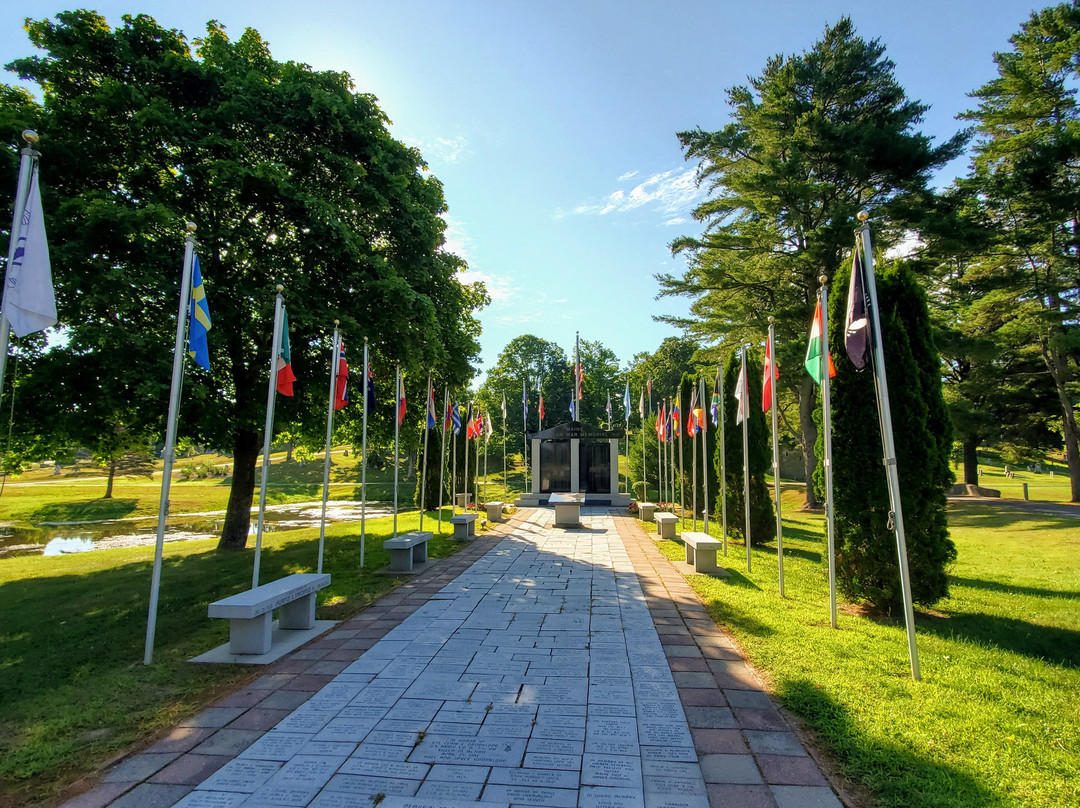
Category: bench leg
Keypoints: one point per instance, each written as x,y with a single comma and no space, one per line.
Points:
299,614
706,560
690,554
419,553
401,559
667,530
461,532
251,635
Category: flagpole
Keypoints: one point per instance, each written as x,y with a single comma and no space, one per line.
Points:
891,473
525,430
577,371
744,404
28,155
465,482
826,425
397,433
363,458
423,468
776,455
487,439
335,353
659,458
271,394
442,451
506,490
170,429
453,473
682,481
723,460
644,471
693,446
705,458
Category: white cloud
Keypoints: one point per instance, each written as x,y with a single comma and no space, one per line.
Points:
457,240
440,150
628,175
500,289
673,193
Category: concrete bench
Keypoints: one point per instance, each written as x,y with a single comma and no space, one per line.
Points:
408,549
494,511
646,511
463,500
665,524
249,613
567,509
464,526
701,551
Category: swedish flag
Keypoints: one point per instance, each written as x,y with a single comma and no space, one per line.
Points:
199,322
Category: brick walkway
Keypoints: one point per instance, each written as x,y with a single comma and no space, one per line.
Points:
538,666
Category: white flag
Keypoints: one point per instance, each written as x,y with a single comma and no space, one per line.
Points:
741,395
29,302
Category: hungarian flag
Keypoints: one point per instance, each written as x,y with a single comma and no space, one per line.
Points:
400,399
341,383
742,396
857,337
716,400
769,374
692,421
432,417
285,377
813,348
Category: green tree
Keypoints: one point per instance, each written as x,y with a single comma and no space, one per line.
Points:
1027,174
541,365
292,178
762,514
664,367
816,137
866,555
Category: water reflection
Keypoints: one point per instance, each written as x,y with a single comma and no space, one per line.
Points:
76,537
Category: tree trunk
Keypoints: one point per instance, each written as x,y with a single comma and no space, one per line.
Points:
1059,370
971,461
288,452
809,439
234,533
112,475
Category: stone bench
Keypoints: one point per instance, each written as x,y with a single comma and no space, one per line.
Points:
665,524
567,509
408,549
494,511
463,500
701,551
646,511
464,526
249,613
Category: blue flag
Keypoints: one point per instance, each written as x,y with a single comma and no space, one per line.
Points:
573,413
455,418
626,402
524,403
199,320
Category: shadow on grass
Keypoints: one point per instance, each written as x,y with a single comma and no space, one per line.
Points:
1060,646
991,517
896,774
1012,589
90,510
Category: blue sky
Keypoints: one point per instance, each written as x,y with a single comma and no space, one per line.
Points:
552,124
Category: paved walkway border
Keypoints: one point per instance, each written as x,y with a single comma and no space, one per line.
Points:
749,754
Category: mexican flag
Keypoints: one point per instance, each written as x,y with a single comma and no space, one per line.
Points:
813,350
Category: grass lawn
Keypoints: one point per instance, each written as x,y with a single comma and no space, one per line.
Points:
994,721
74,689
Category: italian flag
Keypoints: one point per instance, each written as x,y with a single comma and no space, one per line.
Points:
285,377
813,350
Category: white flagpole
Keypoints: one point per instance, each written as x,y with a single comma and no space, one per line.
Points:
363,460
427,428
465,482
659,461
170,434
442,452
705,457
577,373
826,425
335,354
453,474
776,455
693,447
744,410
723,461
891,474
28,155
271,393
680,433
487,439
506,489
397,434
644,471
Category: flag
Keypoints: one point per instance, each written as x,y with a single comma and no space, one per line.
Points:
857,336
541,408
448,419
490,426
676,420
573,409
470,425
669,426
641,407
813,348
626,402
341,384
579,377
198,319
478,424
769,373
607,409
660,423
285,377
370,391
400,398
648,384
504,406
716,400
525,404
29,300
432,417
742,396
455,418
691,422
